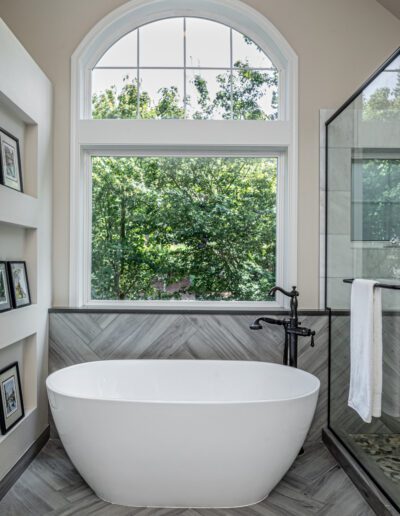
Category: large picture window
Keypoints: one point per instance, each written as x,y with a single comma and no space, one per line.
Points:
183,228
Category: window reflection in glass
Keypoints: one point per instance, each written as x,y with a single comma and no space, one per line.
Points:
375,199
381,99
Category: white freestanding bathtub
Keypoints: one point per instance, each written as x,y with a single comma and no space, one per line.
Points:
182,433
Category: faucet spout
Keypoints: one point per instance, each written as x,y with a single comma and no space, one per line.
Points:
256,325
287,293
293,294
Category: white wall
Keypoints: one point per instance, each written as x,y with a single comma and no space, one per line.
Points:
25,234
339,44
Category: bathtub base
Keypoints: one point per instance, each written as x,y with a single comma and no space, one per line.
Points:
202,500
187,506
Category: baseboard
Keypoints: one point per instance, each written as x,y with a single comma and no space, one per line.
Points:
12,476
367,487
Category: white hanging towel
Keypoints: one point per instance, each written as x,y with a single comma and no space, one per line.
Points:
365,395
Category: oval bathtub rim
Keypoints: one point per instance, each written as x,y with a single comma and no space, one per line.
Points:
183,402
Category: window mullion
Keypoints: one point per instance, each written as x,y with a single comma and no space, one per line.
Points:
231,69
184,68
138,75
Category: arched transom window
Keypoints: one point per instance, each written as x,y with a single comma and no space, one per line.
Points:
185,68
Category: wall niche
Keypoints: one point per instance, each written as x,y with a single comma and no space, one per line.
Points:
25,235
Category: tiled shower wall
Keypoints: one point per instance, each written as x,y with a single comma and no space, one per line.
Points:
349,138
344,420
77,337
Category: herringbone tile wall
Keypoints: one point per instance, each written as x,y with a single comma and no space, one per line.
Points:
344,420
83,337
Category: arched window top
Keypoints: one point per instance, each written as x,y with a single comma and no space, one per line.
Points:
148,44
185,67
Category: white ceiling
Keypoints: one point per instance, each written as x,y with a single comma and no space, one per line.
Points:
391,5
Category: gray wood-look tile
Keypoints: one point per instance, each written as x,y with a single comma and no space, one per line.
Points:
345,420
82,337
315,485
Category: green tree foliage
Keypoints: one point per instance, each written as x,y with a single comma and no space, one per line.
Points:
125,104
240,96
200,228
384,103
190,227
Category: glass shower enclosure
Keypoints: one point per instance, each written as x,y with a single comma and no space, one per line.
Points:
363,241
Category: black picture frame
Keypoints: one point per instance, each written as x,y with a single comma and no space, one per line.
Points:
5,287
13,287
4,136
15,380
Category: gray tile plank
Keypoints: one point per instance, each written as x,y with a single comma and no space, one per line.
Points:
42,489
32,501
336,489
11,505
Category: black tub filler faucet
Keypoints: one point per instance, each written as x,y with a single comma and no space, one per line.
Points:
292,327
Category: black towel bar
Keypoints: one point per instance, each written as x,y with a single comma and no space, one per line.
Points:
380,285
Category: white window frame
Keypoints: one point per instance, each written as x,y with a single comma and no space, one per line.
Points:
87,226
160,137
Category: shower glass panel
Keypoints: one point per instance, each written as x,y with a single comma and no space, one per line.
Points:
363,241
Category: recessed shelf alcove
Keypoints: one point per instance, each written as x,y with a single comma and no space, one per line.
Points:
25,234
16,325
23,351
17,208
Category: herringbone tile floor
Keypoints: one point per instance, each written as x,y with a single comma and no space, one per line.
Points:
314,485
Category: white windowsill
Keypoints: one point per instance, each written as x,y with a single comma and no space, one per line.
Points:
217,306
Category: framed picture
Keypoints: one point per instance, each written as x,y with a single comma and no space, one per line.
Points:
19,285
10,159
11,402
5,296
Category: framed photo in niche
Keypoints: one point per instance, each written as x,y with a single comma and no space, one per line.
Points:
11,402
19,284
5,295
10,160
